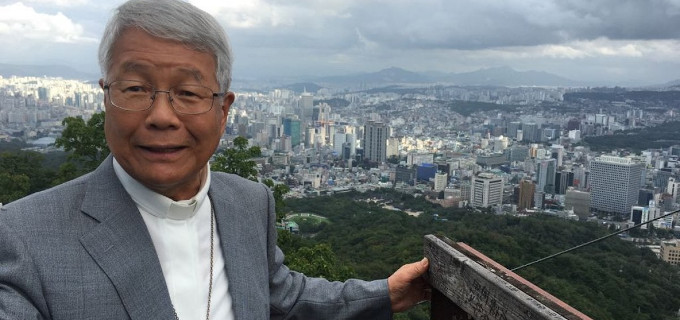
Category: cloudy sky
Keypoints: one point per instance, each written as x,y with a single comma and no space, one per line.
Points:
594,40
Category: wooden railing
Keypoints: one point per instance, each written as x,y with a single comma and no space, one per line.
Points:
468,285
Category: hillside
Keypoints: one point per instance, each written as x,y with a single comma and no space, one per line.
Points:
612,279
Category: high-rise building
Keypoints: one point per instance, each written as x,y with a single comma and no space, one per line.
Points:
306,106
310,138
545,175
519,153
563,180
405,174
644,196
440,181
578,201
639,215
614,184
486,190
670,251
392,147
526,194
557,152
291,128
512,129
673,188
338,140
375,141
530,132
661,176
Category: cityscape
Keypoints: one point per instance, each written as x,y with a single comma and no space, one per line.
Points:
504,150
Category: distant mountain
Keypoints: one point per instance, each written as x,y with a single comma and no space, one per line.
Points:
303,87
675,84
506,76
387,76
501,76
8,70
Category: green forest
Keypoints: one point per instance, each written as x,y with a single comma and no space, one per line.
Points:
612,279
661,136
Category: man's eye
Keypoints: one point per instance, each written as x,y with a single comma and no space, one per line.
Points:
187,93
133,89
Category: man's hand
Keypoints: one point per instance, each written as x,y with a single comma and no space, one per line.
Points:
407,286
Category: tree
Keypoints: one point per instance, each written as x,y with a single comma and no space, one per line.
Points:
393,159
13,186
319,261
29,164
237,160
85,141
278,191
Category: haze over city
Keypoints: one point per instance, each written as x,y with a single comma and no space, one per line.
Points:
608,42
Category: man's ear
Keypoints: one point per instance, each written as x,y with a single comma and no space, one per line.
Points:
227,100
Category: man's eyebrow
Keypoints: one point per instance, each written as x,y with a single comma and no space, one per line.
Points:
133,66
192,72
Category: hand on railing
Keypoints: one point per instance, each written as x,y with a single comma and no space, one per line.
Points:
407,286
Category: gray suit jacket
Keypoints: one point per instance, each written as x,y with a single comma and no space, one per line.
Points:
82,251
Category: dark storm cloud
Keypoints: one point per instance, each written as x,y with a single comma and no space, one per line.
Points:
468,25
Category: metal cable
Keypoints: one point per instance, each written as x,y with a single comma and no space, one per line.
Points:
592,241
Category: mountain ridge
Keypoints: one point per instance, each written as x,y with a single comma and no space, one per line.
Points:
66,72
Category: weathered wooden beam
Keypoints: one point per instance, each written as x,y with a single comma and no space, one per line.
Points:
478,290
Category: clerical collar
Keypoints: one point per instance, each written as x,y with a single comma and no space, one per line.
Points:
158,204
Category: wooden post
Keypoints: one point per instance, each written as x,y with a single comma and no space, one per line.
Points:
441,308
479,292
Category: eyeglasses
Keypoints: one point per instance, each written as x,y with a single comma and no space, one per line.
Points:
134,95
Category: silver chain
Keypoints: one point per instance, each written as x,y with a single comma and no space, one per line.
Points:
212,250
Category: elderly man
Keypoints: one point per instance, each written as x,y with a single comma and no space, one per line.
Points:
152,233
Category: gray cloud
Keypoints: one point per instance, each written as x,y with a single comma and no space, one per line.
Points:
478,25
580,39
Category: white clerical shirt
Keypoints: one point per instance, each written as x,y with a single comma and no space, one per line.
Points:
180,231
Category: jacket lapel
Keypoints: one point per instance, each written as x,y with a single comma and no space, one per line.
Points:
121,246
232,247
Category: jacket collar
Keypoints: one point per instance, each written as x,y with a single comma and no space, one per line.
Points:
122,247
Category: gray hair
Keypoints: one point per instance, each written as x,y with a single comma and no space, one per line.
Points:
173,20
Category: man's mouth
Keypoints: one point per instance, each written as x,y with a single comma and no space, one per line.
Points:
162,149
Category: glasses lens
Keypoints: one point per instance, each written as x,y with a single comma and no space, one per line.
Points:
130,95
192,99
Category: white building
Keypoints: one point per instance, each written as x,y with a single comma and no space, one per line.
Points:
440,181
614,184
486,190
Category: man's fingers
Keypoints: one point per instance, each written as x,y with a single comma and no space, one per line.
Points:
420,267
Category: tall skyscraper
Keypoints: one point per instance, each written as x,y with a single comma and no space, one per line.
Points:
673,188
512,129
530,132
392,147
291,128
526,194
306,106
563,180
375,141
545,175
440,181
486,190
557,152
338,140
614,184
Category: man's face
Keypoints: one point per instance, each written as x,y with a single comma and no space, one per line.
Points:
164,150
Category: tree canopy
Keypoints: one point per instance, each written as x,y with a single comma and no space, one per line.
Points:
85,141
